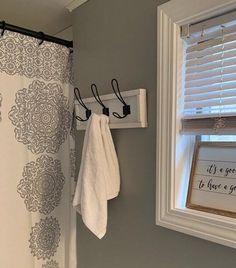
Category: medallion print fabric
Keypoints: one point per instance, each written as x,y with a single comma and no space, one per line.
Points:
42,184
22,55
44,238
72,162
44,109
38,224
51,264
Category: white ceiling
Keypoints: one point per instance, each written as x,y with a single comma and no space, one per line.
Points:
48,16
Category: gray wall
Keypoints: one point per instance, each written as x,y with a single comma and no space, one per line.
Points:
117,38
50,17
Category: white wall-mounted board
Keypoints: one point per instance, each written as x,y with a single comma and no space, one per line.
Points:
135,98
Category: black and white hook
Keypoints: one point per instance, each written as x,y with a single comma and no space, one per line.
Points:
105,110
126,107
88,112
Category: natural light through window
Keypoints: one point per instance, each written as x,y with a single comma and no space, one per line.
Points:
196,101
210,76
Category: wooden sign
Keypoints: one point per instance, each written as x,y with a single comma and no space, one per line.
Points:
212,185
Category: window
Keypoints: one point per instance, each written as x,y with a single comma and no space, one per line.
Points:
174,143
210,76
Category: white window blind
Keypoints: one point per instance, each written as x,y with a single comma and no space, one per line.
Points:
210,78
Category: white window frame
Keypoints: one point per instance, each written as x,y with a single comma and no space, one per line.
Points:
173,149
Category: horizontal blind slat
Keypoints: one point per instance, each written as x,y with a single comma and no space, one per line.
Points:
211,43
211,65
212,58
209,103
188,115
210,50
206,125
211,95
212,35
210,81
210,74
210,88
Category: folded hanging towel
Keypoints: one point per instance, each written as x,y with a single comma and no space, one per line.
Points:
99,178
113,179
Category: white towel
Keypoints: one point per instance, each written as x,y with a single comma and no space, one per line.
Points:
99,178
113,179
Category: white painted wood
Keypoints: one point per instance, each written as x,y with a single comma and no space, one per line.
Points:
135,98
174,151
182,12
74,4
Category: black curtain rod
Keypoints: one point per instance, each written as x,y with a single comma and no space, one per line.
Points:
38,35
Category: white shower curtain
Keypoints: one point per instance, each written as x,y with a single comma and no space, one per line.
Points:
37,224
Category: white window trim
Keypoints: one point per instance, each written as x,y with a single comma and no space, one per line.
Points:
171,163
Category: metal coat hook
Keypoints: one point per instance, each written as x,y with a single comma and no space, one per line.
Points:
126,107
105,110
88,112
42,38
3,27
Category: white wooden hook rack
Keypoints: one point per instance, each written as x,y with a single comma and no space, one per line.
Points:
135,98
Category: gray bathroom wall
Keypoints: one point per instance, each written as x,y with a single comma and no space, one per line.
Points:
117,38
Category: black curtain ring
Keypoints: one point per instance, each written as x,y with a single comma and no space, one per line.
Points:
42,38
3,27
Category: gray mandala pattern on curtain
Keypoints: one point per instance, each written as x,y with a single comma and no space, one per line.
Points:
42,184
51,264
20,54
73,162
44,238
41,117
